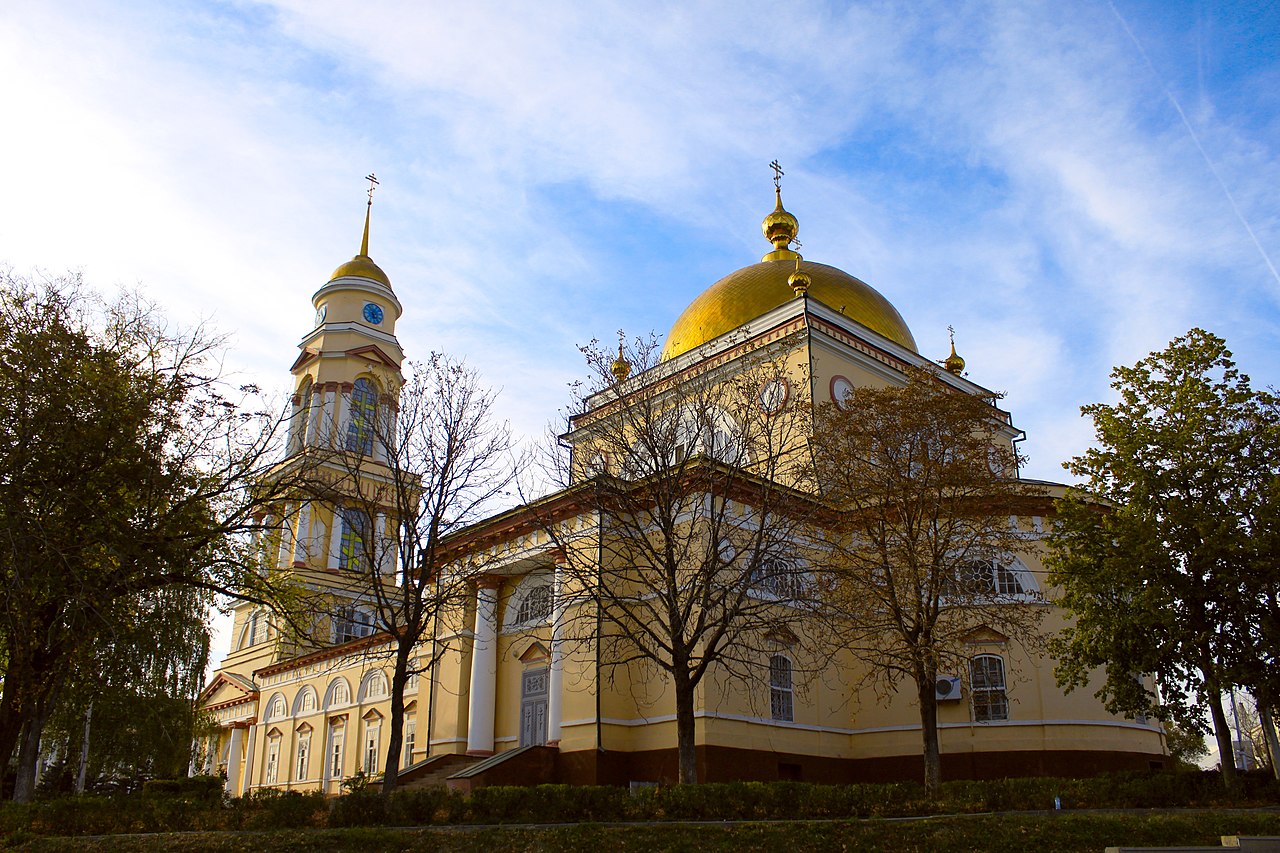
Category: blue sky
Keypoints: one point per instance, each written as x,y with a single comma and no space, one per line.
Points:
1070,185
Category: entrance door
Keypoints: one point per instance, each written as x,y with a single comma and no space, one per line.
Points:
533,707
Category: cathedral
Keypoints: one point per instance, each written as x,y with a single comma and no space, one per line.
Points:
505,693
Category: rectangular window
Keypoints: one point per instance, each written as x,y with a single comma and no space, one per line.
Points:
335,752
351,623
780,691
304,755
371,750
987,686
273,761
410,735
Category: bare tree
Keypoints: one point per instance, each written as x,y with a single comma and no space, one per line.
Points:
421,465
922,548
693,567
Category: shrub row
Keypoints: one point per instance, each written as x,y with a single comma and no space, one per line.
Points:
197,804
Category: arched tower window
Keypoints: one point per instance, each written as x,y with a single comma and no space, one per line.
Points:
353,544
364,409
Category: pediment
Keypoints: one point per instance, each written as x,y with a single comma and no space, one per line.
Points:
304,358
373,353
226,688
985,636
535,652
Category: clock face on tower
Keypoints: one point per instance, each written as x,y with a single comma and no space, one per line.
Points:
320,314
373,313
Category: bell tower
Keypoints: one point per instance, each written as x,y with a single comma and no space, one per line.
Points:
346,380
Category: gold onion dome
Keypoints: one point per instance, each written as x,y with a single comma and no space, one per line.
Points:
800,281
752,291
953,363
621,368
362,266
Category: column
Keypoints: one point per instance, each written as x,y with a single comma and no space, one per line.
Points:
326,416
313,417
387,545
555,684
233,760
286,539
335,540
296,429
303,535
341,403
484,668
251,748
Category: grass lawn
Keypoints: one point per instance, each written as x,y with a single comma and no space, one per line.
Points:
1043,833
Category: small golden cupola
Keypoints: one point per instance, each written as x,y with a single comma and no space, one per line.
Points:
621,368
362,266
953,363
780,227
799,281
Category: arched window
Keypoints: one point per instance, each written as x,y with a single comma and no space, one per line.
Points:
273,758
987,686
780,691
276,708
339,693
364,409
304,702
374,686
352,549
535,606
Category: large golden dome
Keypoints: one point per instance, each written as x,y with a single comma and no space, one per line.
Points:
742,296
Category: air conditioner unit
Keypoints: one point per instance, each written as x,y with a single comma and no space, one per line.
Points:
947,688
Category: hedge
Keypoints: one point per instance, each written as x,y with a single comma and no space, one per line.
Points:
198,804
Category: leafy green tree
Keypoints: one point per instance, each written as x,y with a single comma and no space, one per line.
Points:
125,468
924,479
1154,553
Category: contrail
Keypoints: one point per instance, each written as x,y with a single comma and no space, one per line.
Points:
1196,139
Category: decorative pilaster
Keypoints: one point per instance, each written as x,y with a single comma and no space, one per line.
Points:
250,740
484,668
233,761
555,683
300,549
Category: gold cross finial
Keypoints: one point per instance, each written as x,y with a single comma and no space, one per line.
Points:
364,242
373,184
777,175
952,331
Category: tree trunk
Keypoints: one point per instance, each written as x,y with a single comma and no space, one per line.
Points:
1269,735
925,691
1222,732
685,732
83,770
391,773
24,786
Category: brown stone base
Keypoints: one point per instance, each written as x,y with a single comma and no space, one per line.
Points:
726,764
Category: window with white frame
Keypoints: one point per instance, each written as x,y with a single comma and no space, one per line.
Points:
777,578
410,736
781,696
277,709
372,734
308,703
339,693
535,605
374,686
273,759
993,578
336,732
987,687
304,755
351,623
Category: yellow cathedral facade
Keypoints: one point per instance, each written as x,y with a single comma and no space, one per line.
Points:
506,699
